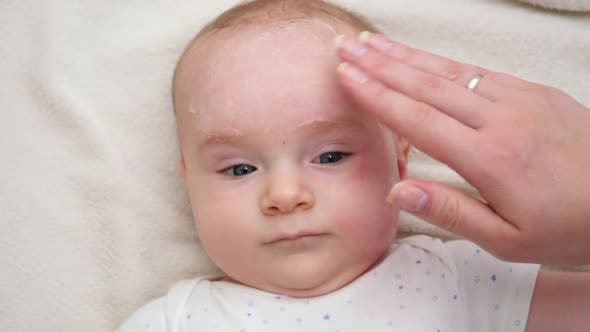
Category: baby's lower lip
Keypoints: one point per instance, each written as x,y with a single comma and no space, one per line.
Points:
296,237
299,241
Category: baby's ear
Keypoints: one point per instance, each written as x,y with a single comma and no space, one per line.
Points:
180,167
402,152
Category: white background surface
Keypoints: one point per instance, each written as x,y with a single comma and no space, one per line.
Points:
94,220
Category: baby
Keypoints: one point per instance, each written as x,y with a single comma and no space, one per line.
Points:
287,182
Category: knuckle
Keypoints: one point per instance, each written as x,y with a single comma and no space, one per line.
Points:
427,85
378,62
451,70
451,214
498,77
403,53
382,98
499,156
421,113
509,160
380,66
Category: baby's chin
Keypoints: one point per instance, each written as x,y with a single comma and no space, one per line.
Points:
299,287
312,286
310,280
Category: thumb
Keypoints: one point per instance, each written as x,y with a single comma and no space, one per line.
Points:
452,210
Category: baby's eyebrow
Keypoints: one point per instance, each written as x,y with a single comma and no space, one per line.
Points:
330,125
216,139
318,125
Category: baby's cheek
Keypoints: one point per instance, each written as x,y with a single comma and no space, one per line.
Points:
362,211
216,219
364,237
360,170
364,216
224,234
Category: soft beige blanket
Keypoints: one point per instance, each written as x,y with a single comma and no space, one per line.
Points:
94,219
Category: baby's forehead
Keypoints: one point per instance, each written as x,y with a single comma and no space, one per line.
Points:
312,34
253,51
287,68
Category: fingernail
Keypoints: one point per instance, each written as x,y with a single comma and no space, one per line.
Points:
377,41
407,197
352,73
351,47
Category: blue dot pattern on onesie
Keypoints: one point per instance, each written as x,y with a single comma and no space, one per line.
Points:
437,298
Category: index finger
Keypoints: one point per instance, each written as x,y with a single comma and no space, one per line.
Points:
436,133
451,70
446,96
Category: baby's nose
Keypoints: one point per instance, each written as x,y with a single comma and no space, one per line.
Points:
286,196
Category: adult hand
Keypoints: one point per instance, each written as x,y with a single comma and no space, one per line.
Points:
524,146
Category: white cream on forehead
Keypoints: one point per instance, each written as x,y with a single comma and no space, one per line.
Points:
197,107
234,115
259,34
293,25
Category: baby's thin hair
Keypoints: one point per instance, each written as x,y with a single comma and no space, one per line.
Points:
260,12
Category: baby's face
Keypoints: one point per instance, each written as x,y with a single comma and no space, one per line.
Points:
287,180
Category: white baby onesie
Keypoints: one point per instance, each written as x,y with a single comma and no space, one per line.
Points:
421,284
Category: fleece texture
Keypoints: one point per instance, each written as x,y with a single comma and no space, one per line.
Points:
95,220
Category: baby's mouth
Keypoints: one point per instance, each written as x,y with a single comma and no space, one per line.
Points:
297,240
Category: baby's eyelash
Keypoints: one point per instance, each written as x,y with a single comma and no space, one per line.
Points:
331,157
239,170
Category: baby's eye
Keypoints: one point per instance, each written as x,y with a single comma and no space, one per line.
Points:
330,157
240,169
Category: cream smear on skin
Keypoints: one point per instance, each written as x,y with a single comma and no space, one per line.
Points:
200,119
219,61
